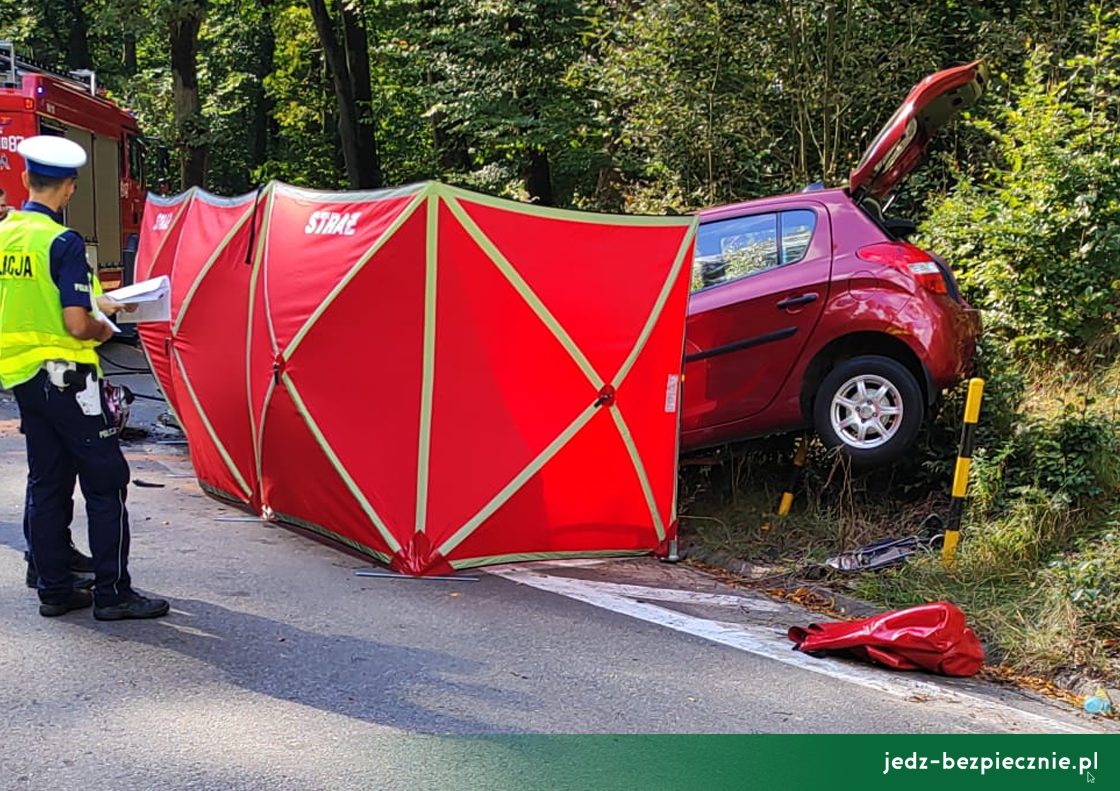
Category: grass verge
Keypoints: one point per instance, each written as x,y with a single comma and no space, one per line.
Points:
1037,572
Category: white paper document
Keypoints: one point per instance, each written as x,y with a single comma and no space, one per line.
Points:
99,316
152,299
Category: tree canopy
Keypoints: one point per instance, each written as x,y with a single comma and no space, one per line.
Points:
613,104
639,106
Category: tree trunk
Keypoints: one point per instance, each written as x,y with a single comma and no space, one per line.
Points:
78,56
357,63
343,90
538,178
192,134
452,153
131,66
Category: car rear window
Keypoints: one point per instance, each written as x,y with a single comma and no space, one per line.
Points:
741,246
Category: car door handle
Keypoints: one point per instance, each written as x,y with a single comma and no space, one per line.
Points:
794,302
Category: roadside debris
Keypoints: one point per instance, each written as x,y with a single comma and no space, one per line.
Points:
931,637
890,551
1099,703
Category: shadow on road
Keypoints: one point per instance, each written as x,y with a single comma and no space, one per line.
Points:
352,676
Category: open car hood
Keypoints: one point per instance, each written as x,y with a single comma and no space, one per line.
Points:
901,145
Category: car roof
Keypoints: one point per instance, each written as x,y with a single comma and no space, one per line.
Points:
775,203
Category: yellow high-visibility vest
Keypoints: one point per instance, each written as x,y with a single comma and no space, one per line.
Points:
32,329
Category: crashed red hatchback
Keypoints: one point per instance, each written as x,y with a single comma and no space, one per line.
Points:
812,309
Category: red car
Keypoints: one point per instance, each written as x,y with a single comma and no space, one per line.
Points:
812,310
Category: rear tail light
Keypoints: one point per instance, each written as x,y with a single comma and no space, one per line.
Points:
905,257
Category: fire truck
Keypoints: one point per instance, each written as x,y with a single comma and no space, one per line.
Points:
109,200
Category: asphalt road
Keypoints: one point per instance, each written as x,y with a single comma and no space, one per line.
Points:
279,668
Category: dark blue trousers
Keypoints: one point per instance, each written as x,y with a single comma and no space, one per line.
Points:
73,475
60,440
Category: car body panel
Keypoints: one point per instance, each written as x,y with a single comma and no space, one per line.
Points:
744,336
901,144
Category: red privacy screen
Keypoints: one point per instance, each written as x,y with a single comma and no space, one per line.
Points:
434,377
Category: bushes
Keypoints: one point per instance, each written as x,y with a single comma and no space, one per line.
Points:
1036,243
1087,579
1070,461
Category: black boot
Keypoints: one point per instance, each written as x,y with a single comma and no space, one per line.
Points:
76,600
83,564
136,606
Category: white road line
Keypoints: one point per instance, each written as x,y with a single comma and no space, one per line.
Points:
644,592
677,596
765,643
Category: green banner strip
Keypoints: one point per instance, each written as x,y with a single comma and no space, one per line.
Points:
340,468
673,762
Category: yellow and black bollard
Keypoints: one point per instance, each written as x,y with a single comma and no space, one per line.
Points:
960,476
795,476
794,479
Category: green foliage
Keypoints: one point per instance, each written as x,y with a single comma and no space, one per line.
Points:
667,104
298,88
1038,556
710,102
1069,460
931,468
1037,243
235,52
498,85
1087,579
685,104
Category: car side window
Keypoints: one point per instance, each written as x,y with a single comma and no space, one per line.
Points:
734,248
740,246
797,232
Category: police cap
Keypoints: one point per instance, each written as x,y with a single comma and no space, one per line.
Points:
53,156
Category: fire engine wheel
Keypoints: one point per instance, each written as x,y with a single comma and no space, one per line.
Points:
869,407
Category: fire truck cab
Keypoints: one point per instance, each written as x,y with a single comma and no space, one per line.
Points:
109,200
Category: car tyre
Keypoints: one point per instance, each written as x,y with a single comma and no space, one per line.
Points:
870,408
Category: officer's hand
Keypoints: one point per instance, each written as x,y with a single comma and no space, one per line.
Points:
106,332
110,307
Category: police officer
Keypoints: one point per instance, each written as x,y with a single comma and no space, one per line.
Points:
51,322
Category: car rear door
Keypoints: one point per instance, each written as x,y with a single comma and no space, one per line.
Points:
760,283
